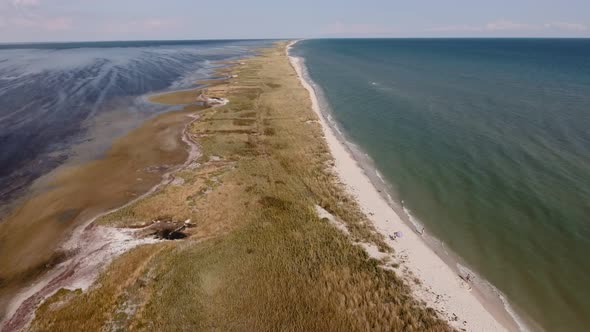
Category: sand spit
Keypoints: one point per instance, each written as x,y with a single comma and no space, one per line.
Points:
91,248
434,281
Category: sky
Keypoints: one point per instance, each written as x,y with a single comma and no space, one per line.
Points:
90,20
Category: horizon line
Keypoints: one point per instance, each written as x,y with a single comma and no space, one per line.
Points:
268,39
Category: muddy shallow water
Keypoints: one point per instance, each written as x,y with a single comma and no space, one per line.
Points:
33,232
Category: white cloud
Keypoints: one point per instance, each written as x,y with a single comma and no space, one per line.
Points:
144,25
47,24
357,29
20,15
567,26
510,26
25,3
456,28
503,25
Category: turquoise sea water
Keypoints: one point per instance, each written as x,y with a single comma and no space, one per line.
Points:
487,142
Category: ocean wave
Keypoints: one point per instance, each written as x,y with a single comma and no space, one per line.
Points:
484,284
418,227
378,174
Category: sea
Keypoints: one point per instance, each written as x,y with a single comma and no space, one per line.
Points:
66,102
485,143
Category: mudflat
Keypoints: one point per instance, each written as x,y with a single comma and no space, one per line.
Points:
31,234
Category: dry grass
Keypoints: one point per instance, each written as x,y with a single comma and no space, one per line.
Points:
259,258
115,289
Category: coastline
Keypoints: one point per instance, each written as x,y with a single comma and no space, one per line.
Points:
276,245
90,246
81,270
258,247
440,285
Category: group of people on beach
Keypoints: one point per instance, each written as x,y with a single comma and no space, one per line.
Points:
399,234
468,278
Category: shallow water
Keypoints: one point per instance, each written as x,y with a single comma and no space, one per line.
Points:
58,96
79,138
487,144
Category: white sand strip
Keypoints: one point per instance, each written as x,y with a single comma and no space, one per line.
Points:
440,287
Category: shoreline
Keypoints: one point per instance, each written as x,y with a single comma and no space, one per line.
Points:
258,196
78,272
441,286
93,246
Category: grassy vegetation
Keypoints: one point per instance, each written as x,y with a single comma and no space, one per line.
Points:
259,258
177,97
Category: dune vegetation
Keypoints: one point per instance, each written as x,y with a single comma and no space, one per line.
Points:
257,257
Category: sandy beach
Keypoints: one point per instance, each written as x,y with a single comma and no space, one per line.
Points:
440,286
256,246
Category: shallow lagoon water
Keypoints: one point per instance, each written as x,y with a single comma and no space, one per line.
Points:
58,96
78,138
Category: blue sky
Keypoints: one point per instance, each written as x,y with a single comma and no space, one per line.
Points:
73,20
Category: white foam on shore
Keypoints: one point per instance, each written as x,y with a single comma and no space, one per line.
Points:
521,325
418,227
441,287
482,283
379,175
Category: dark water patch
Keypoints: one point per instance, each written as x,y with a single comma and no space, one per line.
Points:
51,94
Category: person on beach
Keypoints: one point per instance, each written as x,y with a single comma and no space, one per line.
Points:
396,235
